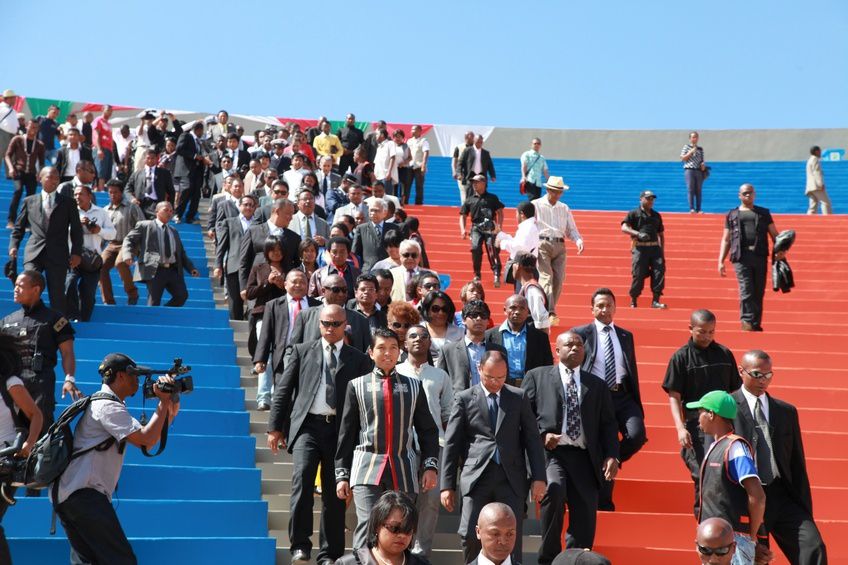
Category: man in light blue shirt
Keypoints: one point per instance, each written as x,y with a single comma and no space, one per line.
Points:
534,170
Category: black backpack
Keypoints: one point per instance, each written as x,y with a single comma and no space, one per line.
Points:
54,451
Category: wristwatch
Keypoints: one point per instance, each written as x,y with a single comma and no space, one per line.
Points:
70,379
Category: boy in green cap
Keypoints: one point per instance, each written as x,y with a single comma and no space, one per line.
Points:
729,485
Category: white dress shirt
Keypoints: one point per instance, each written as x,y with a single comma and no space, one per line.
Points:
107,230
273,229
556,220
752,402
319,404
8,119
478,161
245,223
525,240
483,560
564,439
71,165
599,366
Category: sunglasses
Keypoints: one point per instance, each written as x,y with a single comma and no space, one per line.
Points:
758,375
409,255
477,317
430,286
280,192
435,309
336,289
332,323
748,193
399,325
720,551
418,335
397,529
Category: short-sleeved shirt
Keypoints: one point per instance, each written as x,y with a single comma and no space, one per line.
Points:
481,207
103,130
740,462
98,470
645,222
47,133
696,160
692,372
41,330
535,164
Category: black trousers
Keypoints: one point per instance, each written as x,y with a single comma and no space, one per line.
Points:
25,181
418,178
234,299
751,274
404,182
42,388
54,276
694,456
80,289
571,481
346,162
647,261
170,280
478,240
316,443
792,527
93,530
492,486
631,426
532,191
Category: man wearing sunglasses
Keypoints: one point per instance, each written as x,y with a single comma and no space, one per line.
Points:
714,541
747,230
334,291
771,426
410,260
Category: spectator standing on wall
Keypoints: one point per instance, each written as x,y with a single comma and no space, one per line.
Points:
815,189
534,169
693,171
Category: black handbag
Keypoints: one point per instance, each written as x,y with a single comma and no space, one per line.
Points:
90,261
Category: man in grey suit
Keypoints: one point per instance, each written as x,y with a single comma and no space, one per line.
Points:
335,292
228,206
306,223
575,418
252,247
52,220
150,185
493,427
460,359
368,237
305,418
227,245
162,257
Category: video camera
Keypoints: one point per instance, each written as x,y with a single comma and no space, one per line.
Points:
182,385
11,467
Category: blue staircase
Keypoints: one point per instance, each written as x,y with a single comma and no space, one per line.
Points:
615,185
201,500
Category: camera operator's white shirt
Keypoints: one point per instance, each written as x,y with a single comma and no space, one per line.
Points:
7,422
98,470
107,231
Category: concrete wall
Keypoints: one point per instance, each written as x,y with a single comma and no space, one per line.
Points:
665,145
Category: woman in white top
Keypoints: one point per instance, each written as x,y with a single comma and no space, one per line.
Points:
438,311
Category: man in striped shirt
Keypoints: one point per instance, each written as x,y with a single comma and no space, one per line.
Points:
693,171
376,450
555,223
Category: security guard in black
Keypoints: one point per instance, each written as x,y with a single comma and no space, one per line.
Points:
645,227
43,333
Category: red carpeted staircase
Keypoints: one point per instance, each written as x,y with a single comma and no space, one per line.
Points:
805,333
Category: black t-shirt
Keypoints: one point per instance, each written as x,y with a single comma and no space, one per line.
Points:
641,221
748,223
481,208
692,372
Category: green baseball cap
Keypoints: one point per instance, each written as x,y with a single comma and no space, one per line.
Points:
716,401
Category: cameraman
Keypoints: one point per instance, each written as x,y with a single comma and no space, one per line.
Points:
16,400
486,211
84,501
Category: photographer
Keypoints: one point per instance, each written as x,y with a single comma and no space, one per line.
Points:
85,489
486,211
16,400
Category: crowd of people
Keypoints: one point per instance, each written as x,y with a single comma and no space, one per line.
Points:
373,379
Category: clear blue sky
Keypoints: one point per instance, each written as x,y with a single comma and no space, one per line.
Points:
628,64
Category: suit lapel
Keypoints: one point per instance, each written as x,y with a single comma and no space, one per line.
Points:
482,405
344,355
316,360
503,407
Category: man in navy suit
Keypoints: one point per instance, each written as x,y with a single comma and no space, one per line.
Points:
189,171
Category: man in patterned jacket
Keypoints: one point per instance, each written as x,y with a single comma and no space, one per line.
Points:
376,452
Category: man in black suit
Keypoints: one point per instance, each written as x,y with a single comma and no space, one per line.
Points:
334,292
162,257
368,237
52,219
460,359
526,346
305,420
227,245
69,155
771,427
189,171
240,157
474,161
150,185
577,423
85,175
492,427
497,532
252,247
610,351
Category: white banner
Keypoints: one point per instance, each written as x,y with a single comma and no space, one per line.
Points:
449,136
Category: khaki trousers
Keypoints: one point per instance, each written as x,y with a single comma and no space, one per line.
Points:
111,258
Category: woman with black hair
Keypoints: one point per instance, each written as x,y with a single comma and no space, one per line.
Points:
438,311
17,402
307,252
265,282
391,529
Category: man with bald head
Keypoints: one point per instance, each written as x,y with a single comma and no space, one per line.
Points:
527,346
307,407
497,532
334,291
771,427
714,541
575,416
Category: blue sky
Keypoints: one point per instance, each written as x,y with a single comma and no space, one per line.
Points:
616,64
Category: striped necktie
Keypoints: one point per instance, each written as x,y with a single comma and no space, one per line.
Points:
609,358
